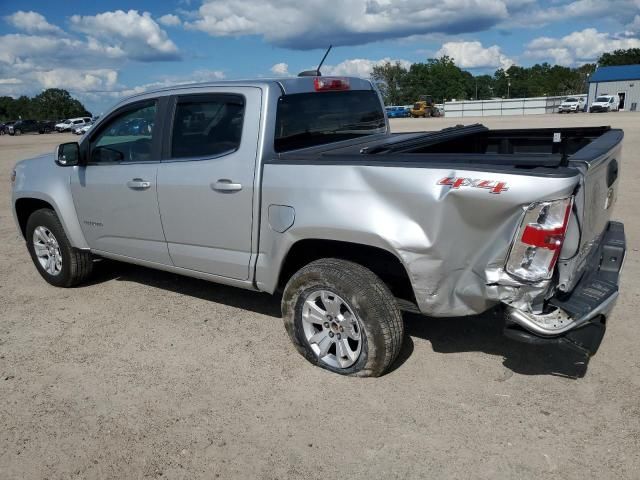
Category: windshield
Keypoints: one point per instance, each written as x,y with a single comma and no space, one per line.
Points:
571,100
308,119
602,99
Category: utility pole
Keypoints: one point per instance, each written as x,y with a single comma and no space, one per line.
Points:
476,79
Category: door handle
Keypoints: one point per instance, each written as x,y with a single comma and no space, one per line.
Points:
138,184
226,185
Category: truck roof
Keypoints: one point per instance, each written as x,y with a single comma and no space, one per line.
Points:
289,85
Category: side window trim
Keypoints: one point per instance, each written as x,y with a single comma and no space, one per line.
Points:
172,108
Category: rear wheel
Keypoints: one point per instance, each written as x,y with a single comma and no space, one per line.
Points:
342,317
17,131
56,260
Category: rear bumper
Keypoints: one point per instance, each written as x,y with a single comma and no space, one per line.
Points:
579,317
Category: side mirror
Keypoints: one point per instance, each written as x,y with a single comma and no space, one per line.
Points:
68,154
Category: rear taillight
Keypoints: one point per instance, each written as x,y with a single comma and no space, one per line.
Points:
326,84
537,244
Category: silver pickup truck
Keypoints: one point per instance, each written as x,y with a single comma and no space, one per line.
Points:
297,186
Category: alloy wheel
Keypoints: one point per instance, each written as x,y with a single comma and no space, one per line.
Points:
47,250
332,329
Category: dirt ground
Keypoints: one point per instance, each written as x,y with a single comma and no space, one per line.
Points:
144,374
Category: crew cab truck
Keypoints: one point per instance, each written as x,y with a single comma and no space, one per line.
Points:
297,186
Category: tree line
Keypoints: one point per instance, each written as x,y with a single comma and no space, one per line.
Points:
51,104
443,80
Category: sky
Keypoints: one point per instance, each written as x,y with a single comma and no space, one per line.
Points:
103,51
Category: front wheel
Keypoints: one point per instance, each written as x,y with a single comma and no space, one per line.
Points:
57,261
342,317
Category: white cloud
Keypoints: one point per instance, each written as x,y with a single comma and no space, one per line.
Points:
578,47
197,76
136,34
536,14
170,20
81,81
280,69
359,67
86,66
20,49
32,22
308,25
474,55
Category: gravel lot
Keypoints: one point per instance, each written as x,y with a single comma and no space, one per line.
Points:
144,374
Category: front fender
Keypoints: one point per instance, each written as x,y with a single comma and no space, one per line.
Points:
41,179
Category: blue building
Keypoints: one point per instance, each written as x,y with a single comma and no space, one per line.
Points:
623,80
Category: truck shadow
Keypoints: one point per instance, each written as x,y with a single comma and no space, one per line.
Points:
257,302
482,333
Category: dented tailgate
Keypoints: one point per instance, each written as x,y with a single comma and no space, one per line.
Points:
599,163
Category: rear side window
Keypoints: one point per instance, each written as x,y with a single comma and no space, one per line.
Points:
207,126
309,119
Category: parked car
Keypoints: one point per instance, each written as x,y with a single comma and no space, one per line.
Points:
47,126
135,126
5,129
297,186
398,112
605,103
29,126
71,123
82,130
572,104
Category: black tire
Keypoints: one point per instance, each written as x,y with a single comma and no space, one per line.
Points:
381,329
76,264
17,131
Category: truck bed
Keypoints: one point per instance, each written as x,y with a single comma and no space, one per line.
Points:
539,151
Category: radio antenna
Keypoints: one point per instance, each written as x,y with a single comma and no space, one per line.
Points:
323,59
316,72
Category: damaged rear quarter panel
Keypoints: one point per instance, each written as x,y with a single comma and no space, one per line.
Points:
453,242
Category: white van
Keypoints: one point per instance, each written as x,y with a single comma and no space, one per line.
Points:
72,123
605,103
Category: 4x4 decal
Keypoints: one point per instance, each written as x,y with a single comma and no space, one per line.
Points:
494,186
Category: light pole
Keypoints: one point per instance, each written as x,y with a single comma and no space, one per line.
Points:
476,79
506,74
